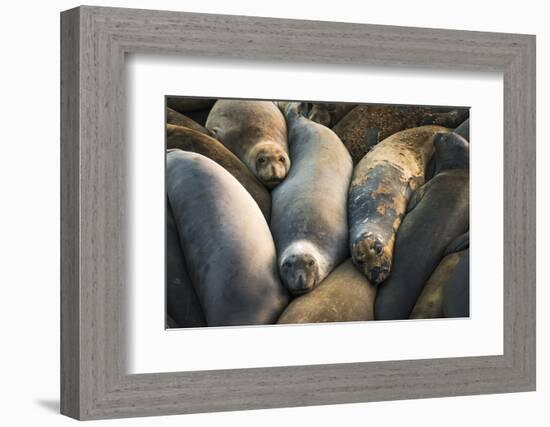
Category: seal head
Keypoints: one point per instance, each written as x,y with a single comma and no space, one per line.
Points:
271,163
300,268
372,255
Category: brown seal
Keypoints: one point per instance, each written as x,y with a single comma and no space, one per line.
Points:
345,295
189,140
385,120
382,185
255,131
178,119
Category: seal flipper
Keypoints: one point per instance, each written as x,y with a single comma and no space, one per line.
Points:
459,244
417,197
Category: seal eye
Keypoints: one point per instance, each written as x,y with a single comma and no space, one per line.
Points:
261,160
378,247
310,263
282,159
286,264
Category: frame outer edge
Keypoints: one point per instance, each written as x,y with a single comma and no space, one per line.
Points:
70,396
87,349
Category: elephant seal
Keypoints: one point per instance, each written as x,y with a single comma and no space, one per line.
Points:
456,298
430,302
255,131
464,130
344,296
380,189
329,113
308,214
189,140
437,214
353,129
229,251
178,119
182,303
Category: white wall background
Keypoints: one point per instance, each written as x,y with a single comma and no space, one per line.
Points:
29,214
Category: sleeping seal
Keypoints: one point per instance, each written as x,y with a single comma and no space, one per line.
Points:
380,190
255,131
437,214
189,140
308,216
344,296
229,251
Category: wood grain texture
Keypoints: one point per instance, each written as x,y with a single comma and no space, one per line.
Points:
70,366
95,237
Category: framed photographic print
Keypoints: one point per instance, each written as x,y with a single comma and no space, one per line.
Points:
262,213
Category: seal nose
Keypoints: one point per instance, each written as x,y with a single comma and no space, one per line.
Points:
374,273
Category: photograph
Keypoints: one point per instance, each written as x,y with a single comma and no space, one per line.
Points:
304,212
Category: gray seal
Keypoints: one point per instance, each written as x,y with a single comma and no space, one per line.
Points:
345,295
382,185
229,251
182,304
308,216
255,131
437,214
430,302
190,140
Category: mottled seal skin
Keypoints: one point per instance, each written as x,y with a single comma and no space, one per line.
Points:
437,214
255,131
344,296
456,298
178,119
182,303
430,302
308,216
185,105
189,140
464,130
229,251
329,113
380,189
354,128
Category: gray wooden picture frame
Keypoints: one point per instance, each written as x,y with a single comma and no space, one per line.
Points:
94,41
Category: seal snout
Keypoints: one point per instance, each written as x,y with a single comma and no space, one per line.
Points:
299,273
369,254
